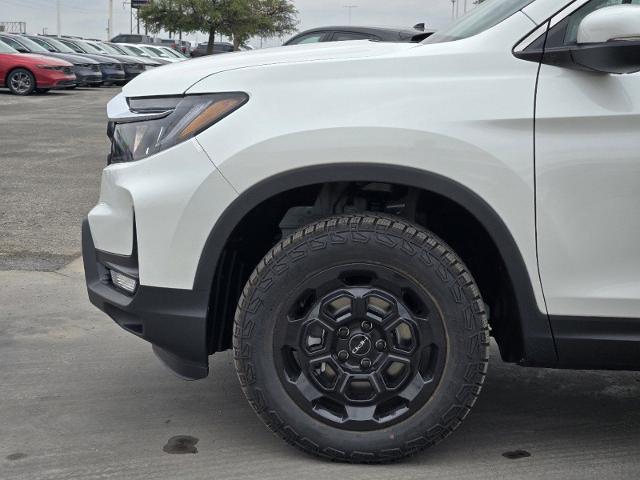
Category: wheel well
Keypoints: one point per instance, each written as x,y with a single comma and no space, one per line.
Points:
281,214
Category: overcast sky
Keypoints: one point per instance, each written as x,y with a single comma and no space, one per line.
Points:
88,18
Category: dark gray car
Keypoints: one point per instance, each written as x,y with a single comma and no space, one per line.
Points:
112,70
132,66
378,34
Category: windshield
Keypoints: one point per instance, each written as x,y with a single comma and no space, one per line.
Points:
55,44
88,47
151,51
135,50
73,46
110,49
31,45
4,48
117,49
172,52
488,14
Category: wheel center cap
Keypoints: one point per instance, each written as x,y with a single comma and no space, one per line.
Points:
360,345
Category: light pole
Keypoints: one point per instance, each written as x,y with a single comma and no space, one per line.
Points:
350,8
110,22
58,19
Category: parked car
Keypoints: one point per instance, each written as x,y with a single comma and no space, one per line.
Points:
356,219
132,66
24,74
131,38
378,34
140,52
112,70
87,71
218,47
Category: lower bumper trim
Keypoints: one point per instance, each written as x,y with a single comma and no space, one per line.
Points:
174,321
183,368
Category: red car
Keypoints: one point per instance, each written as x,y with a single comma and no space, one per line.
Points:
25,73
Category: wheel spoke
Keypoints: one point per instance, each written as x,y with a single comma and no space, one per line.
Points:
293,334
307,389
360,413
414,387
359,307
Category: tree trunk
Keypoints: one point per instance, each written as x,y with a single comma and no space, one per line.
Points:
236,43
212,39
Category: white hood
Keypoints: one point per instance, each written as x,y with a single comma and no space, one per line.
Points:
177,78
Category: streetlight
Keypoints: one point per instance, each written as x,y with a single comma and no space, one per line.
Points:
350,8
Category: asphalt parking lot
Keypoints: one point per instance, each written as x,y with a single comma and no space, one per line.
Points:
81,399
52,149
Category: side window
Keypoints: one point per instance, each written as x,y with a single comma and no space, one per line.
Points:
309,38
573,22
346,36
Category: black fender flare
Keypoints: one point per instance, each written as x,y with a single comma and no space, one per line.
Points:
538,339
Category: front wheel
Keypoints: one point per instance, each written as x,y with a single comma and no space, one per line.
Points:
21,82
361,339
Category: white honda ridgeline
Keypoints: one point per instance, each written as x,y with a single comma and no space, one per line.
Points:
355,219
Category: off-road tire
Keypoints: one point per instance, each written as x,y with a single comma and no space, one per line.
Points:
387,241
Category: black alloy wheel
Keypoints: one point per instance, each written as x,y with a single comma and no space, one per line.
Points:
362,346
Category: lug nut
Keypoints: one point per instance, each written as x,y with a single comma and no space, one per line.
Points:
367,326
343,355
343,332
365,363
381,345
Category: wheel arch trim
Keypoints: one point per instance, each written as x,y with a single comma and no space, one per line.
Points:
538,340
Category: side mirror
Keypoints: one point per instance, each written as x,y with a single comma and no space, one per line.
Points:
608,42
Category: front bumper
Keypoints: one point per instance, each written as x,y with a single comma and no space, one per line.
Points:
174,321
132,72
112,75
88,76
55,79
69,82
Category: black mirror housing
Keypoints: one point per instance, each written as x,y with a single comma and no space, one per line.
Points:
614,57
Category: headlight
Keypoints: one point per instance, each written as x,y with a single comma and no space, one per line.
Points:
52,67
149,125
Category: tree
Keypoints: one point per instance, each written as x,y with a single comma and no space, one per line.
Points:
239,19
264,18
169,15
